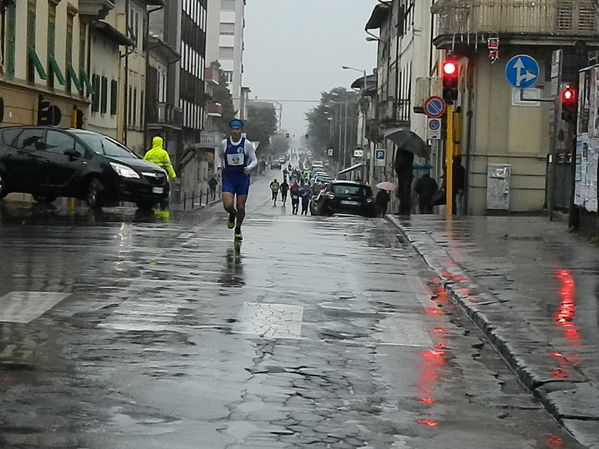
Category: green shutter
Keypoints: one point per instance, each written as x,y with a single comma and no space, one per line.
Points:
56,70
72,75
37,64
11,23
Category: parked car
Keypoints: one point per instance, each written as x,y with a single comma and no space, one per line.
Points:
345,197
52,162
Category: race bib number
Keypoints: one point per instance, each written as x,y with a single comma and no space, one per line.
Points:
235,160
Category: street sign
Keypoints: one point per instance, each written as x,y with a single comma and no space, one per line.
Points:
330,152
359,152
434,128
435,107
522,71
380,155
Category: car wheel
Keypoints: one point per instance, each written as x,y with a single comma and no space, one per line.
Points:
145,205
3,191
44,199
93,195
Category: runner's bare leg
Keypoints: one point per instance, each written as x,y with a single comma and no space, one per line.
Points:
241,199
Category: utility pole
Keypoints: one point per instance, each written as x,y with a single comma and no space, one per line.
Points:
449,150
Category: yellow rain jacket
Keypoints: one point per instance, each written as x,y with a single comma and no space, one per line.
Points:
159,156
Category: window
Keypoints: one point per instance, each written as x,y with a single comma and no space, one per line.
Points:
69,47
114,91
227,28
141,109
30,39
227,5
225,53
104,96
51,40
57,142
105,145
11,24
29,139
96,93
134,106
228,76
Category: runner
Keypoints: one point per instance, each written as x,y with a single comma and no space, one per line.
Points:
274,188
236,159
284,190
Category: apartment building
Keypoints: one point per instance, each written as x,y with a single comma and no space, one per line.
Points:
44,60
226,42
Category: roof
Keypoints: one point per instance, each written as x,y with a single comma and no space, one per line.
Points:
359,82
112,33
379,14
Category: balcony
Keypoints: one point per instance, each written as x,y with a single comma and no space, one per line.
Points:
164,114
95,9
553,20
211,138
214,110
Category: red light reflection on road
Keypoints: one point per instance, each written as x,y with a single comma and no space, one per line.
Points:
566,312
427,422
555,442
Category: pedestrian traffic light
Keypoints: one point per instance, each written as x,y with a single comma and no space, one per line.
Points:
450,73
569,99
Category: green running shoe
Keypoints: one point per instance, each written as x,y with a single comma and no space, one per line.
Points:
231,222
238,235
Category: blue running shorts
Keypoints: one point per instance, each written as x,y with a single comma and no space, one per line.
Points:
239,185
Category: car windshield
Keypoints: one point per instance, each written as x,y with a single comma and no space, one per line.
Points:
106,146
349,189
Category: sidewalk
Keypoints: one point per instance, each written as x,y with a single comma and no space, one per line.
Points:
533,289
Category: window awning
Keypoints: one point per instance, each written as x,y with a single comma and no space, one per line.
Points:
56,70
352,168
85,80
74,78
379,15
35,60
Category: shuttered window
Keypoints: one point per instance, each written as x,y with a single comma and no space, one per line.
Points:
114,92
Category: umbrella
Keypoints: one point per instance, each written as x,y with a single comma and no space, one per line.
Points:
386,185
407,140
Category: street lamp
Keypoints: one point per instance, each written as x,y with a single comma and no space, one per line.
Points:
340,103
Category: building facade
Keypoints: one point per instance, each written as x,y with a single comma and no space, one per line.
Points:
226,42
45,62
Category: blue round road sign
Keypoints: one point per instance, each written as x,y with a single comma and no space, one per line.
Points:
522,71
435,107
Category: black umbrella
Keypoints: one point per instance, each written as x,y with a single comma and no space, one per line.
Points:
407,140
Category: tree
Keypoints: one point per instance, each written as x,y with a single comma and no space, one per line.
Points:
261,123
222,95
327,124
279,145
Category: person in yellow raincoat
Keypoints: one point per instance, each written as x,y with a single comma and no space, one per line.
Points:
159,156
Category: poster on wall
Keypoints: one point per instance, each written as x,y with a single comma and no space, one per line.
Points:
587,164
594,104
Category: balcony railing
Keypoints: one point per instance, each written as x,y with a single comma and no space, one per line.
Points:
540,17
211,137
166,114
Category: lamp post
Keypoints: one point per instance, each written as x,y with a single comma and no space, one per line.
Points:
363,134
340,103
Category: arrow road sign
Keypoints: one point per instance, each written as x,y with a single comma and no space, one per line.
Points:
435,107
522,71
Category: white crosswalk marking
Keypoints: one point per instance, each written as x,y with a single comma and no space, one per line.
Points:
270,320
24,307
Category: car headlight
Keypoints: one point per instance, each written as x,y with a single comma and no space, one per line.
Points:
124,171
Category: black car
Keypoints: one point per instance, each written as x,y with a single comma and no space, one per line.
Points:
348,197
51,162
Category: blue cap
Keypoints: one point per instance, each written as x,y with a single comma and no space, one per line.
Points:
236,124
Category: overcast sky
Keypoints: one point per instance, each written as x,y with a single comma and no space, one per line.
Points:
294,49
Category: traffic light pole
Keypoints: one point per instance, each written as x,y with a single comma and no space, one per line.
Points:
449,150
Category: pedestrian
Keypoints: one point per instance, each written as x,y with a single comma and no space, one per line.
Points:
212,183
403,168
381,201
426,187
236,159
458,184
159,156
305,195
284,189
274,188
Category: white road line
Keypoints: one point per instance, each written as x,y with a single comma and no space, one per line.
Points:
270,320
403,331
185,235
24,307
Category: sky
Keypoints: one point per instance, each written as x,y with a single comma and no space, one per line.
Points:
294,50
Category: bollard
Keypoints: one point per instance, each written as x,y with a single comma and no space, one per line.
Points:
185,201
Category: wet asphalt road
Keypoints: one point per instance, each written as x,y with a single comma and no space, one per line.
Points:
124,330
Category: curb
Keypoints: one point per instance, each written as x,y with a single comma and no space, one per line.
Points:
559,383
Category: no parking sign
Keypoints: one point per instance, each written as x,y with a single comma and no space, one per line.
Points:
434,128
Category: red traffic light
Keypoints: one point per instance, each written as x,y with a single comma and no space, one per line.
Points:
568,96
450,68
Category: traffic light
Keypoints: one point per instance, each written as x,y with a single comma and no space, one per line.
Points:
48,114
450,73
569,99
